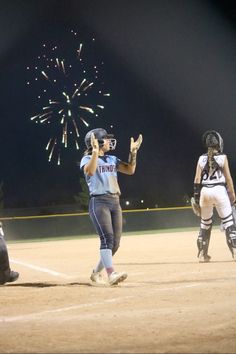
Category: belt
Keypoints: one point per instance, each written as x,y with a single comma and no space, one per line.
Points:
213,185
105,194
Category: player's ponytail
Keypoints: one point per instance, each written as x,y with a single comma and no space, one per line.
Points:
211,161
213,141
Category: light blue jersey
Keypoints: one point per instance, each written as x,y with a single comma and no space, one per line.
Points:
104,181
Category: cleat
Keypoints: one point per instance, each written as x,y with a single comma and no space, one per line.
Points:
97,278
10,277
13,276
115,278
204,259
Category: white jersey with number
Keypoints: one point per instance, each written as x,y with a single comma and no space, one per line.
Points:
214,193
216,176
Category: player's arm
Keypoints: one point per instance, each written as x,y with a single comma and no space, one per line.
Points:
91,166
130,166
197,178
196,192
197,184
229,181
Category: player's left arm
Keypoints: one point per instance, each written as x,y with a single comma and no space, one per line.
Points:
229,181
197,178
130,166
196,191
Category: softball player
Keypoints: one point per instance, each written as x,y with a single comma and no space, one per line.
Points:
6,274
100,170
213,187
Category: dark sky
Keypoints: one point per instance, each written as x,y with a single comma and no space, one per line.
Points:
170,69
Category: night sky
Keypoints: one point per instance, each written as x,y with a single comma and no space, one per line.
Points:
170,69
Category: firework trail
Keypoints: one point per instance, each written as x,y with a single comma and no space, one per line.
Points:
70,94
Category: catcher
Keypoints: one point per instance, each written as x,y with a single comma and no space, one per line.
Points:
213,187
6,274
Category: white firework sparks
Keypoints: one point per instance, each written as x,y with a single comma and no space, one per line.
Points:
70,94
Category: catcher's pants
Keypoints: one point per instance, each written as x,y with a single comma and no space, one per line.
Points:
105,212
217,197
4,260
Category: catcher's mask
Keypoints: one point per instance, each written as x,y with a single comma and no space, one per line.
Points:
211,138
100,134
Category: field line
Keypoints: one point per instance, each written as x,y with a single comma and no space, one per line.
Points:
41,269
62,309
41,314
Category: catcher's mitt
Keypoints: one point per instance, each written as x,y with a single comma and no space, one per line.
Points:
196,207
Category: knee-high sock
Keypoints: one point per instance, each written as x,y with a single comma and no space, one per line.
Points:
99,267
106,257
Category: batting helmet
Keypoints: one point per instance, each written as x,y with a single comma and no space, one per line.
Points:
211,138
100,134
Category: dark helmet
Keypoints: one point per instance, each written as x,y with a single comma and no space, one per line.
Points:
211,138
100,134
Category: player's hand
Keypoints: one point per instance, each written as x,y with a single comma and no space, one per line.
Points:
135,145
94,143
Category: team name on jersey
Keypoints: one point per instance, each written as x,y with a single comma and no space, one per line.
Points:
107,168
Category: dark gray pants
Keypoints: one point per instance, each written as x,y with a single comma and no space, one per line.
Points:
106,215
4,260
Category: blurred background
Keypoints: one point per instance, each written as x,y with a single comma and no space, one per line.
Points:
170,69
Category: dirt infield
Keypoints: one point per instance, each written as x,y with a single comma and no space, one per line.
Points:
169,304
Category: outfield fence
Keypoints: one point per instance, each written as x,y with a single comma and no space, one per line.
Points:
79,224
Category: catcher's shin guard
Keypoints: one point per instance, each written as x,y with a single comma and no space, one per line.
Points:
231,239
203,241
228,221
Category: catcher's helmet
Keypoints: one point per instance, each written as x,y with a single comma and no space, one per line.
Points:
100,134
211,138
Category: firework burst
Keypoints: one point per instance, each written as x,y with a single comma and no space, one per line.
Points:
70,93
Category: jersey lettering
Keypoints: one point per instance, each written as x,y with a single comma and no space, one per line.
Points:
107,168
216,175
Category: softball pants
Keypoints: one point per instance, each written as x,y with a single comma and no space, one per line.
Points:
106,215
217,197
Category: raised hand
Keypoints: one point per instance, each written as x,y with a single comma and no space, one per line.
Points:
94,143
135,145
